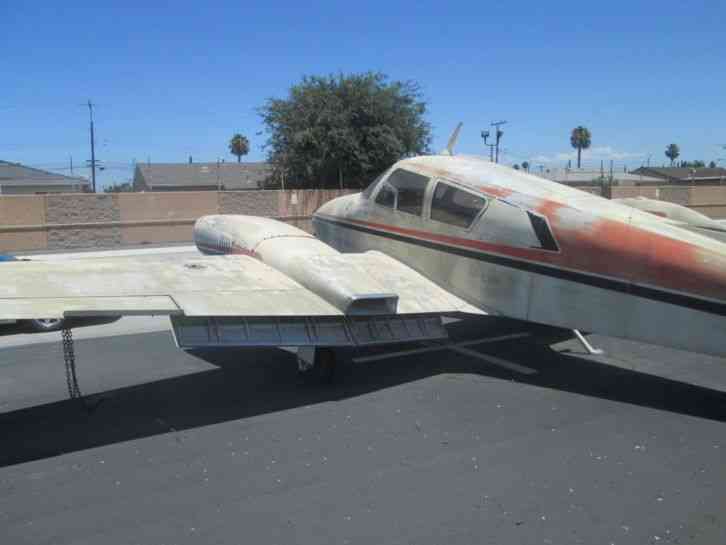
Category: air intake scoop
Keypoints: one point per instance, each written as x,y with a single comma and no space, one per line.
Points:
342,282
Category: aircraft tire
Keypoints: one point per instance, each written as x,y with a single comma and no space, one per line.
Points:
46,324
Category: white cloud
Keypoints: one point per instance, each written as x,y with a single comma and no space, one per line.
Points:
605,153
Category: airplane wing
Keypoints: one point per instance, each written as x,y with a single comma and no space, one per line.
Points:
237,290
212,286
203,286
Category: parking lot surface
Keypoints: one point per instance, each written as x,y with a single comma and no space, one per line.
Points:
504,442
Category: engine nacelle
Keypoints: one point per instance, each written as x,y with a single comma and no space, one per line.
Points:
299,255
254,236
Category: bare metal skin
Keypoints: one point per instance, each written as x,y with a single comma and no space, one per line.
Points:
613,269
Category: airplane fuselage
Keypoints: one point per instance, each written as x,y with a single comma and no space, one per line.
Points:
520,246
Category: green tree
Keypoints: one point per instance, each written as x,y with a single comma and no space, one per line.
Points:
123,187
525,165
712,164
672,152
516,167
347,128
580,139
692,164
239,146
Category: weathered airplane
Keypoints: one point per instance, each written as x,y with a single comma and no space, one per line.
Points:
432,236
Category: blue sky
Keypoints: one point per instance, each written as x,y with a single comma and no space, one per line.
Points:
173,80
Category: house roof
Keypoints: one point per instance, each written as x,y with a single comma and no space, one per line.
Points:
572,175
227,175
683,173
16,174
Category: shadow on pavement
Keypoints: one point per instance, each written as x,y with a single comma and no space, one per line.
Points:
267,382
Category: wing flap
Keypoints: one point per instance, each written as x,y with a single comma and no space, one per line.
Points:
305,331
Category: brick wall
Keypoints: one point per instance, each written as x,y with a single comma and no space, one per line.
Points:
21,211
70,215
69,221
163,217
74,221
256,203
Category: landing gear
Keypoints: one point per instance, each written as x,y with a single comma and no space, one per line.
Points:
591,350
316,363
46,324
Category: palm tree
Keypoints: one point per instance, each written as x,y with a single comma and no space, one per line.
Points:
580,140
239,146
672,152
525,165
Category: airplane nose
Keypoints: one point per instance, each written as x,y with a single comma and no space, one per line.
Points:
324,210
335,207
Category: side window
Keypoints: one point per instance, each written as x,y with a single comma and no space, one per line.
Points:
386,196
410,188
454,206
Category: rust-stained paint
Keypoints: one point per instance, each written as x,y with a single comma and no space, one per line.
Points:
618,249
495,191
609,248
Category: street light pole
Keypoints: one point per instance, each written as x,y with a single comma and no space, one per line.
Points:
499,133
485,135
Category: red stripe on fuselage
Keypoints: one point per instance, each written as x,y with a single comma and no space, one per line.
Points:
607,248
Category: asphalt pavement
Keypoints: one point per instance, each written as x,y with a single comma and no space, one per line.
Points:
506,442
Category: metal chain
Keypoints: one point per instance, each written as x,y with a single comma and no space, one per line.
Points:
69,358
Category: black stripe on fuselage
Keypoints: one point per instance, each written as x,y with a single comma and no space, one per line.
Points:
621,286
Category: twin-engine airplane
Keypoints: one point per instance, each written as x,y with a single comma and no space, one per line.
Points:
432,236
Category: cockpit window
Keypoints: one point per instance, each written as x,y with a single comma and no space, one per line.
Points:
455,206
368,191
386,196
410,188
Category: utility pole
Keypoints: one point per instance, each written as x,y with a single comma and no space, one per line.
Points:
499,133
71,158
93,147
219,180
